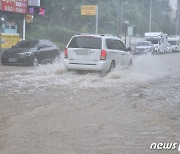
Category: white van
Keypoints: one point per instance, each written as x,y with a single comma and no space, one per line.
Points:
159,41
174,42
96,53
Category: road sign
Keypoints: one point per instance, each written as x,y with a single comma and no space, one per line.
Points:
89,10
130,30
29,18
36,10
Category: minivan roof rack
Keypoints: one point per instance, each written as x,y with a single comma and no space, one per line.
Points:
108,35
100,34
84,34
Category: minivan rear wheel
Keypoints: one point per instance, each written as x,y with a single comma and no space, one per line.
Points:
112,66
56,59
130,62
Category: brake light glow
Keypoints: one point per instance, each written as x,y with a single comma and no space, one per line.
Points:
66,53
103,55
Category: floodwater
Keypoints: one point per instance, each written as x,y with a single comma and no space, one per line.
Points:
49,110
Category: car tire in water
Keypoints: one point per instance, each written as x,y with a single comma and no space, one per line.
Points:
112,66
2,62
130,62
57,58
35,62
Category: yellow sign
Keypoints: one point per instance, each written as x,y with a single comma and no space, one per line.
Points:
88,10
8,40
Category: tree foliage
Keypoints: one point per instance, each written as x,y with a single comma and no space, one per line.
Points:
63,18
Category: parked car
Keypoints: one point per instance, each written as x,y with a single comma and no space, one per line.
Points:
143,47
170,48
96,53
32,52
159,41
174,41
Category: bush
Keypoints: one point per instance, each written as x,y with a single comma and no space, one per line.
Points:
59,35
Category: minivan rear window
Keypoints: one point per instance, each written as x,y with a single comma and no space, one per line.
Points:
85,42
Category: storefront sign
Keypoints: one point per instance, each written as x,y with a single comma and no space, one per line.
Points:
16,6
8,40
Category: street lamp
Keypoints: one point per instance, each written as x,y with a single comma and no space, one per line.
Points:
126,22
120,16
150,16
1,30
1,21
177,16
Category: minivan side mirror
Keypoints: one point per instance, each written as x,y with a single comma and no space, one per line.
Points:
128,49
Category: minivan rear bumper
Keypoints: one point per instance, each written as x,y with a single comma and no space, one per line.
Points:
98,66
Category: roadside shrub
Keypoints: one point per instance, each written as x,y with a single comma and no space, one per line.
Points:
59,35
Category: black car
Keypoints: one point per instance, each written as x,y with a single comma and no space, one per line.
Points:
31,52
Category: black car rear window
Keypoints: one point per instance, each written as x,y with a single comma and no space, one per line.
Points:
85,42
172,42
26,44
143,44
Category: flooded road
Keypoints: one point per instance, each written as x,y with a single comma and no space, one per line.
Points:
50,110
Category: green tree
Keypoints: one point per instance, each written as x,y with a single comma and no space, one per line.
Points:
63,18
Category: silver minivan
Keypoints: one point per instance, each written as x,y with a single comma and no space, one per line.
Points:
96,53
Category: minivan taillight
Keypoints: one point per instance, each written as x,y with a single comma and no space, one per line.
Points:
66,53
103,55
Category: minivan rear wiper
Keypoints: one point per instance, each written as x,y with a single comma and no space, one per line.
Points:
87,47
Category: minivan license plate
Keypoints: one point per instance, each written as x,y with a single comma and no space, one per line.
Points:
12,60
81,52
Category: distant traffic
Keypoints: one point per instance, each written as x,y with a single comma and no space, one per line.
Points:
33,53
89,52
158,43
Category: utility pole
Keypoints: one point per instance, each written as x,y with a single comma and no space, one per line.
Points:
177,16
1,30
97,16
150,16
24,28
120,16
